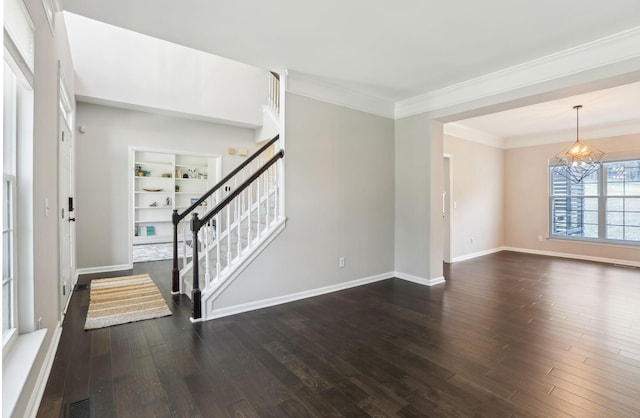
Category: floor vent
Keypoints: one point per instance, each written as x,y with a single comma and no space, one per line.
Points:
81,287
79,409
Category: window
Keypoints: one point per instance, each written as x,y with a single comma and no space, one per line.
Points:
604,207
17,169
623,200
8,257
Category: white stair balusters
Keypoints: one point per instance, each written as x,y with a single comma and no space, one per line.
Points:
247,212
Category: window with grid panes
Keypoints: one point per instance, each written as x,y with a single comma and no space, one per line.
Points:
603,207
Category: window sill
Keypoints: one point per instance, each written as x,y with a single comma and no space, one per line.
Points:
16,365
593,242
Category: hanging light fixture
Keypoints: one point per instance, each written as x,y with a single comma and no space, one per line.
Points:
579,160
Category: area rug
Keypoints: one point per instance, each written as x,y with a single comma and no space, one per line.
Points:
125,299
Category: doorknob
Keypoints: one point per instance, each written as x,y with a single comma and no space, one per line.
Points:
72,219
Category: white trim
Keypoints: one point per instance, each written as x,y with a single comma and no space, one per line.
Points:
618,129
45,371
74,279
309,86
103,269
478,254
265,303
49,7
575,256
596,55
163,112
23,47
470,134
611,56
16,367
419,280
15,60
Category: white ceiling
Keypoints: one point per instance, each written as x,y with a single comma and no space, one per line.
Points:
394,50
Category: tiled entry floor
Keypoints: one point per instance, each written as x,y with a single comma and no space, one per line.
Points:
156,252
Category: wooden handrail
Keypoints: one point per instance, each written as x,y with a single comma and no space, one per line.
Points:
176,218
213,212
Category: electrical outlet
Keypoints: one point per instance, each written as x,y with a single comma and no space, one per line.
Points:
341,262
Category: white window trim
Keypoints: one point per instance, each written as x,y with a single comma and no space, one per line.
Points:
602,212
10,334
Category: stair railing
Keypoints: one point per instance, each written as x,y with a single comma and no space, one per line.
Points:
252,198
228,182
273,99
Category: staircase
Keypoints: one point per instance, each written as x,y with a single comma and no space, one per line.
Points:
247,215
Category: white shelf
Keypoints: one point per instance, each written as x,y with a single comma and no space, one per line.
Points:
153,221
190,166
157,163
153,163
153,207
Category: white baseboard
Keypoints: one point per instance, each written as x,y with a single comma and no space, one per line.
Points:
419,280
478,254
265,303
102,269
574,256
43,376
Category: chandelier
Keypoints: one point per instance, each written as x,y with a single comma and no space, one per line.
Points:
579,160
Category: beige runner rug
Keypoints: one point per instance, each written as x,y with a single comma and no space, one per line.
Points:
124,299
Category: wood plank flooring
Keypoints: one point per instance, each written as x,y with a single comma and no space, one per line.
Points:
508,335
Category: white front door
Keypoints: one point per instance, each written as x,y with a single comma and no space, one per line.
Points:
65,214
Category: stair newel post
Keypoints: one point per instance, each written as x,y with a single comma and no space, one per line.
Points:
175,272
196,295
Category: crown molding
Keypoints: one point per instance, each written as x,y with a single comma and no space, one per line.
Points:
568,136
474,135
461,131
309,86
596,55
610,56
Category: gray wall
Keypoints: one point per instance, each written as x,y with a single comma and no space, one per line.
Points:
412,196
102,170
477,222
49,50
339,200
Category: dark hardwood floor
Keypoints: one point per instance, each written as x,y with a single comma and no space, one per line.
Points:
508,335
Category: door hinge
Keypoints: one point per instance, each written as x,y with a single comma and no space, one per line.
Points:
64,290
